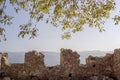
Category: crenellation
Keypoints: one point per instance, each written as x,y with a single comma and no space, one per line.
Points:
33,68
33,58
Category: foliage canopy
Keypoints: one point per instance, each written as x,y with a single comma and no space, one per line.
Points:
70,15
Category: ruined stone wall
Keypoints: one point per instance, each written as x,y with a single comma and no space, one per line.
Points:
4,62
70,68
33,66
0,63
33,57
70,63
68,57
116,63
99,65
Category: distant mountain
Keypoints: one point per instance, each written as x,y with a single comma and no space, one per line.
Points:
53,58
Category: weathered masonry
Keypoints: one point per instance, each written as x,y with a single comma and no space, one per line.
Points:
33,68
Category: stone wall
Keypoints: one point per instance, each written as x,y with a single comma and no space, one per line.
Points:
116,63
33,66
70,68
33,57
70,63
99,65
0,63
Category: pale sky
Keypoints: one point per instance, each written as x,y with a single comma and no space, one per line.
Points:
49,38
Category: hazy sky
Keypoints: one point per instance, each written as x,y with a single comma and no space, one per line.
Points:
49,38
